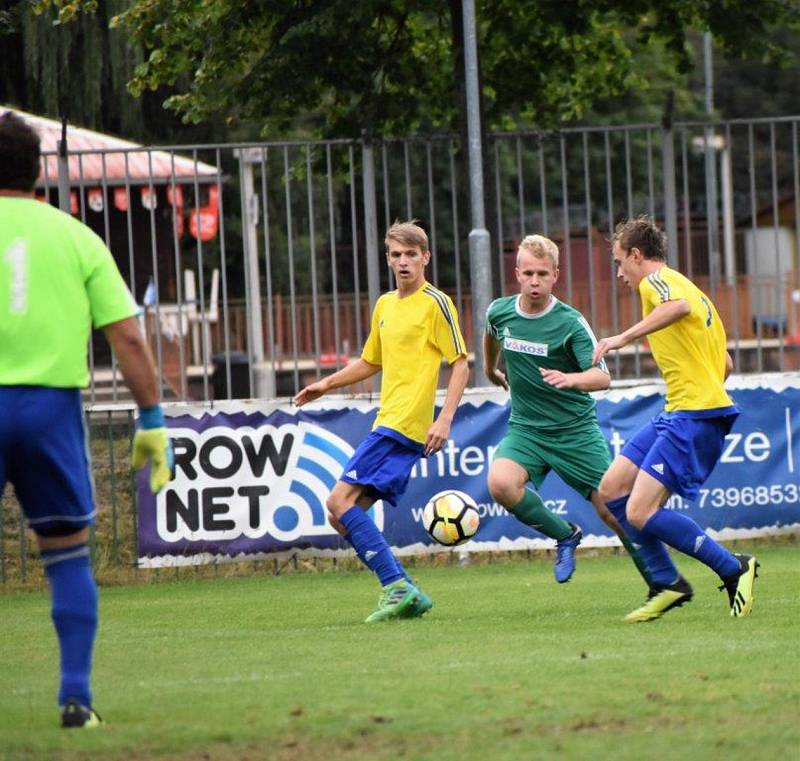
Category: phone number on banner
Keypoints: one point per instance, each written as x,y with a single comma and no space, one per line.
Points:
733,496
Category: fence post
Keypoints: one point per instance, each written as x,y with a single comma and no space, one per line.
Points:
64,202
710,147
479,243
262,383
670,202
370,218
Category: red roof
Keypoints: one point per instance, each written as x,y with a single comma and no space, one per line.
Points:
99,156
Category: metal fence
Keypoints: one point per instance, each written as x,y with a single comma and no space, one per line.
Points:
256,264
270,283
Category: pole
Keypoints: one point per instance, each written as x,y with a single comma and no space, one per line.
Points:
63,170
479,244
250,203
370,219
727,215
670,201
712,214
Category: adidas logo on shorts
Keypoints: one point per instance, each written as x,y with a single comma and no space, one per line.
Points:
352,474
658,467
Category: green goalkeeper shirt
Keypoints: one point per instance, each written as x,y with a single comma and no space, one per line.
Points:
557,338
57,279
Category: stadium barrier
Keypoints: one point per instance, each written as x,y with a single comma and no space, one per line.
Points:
252,477
753,492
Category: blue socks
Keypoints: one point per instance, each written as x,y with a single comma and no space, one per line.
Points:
662,570
371,547
682,533
74,612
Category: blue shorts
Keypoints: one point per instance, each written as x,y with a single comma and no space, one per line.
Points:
383,463
680,449
43,454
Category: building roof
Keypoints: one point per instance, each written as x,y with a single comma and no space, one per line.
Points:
95,157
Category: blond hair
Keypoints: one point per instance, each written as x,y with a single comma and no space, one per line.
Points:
408,233
540,247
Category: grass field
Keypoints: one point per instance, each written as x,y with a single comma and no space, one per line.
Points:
508,665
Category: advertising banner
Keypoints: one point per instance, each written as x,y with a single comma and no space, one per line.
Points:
252,478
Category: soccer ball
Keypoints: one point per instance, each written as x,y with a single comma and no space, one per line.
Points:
451,518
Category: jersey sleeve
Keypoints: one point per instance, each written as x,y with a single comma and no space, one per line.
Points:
446,332
372,351
657,289
109,298
491,326
582,341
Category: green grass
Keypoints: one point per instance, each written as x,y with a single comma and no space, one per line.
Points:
508,665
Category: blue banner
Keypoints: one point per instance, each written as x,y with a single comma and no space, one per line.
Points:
252,479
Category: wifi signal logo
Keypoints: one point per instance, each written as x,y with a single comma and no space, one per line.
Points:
321,457
251,482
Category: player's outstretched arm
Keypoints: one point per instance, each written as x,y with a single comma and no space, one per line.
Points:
151,442
439,431
491,352
663,315
593,379
352,373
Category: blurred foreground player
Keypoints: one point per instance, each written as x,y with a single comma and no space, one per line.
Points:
57,279
413,328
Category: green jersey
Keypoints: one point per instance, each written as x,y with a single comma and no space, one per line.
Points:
57,279
557,338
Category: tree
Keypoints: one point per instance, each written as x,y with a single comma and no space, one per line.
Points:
394,66
80,70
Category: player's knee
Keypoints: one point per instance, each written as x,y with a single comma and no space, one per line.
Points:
61,535
336,525
501,490
636,516
609,489
334,506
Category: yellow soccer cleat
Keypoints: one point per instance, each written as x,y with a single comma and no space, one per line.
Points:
740,586
75,715
660,600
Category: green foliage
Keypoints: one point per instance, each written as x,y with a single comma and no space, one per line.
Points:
508,665
396,66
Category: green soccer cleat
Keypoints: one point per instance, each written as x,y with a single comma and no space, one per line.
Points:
660,600
421,605
75,715
740,586
395,601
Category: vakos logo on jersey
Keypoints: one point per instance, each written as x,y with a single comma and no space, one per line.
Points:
525,347
252,482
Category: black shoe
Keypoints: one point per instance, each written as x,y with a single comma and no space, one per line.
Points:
740,586
75,715
661,599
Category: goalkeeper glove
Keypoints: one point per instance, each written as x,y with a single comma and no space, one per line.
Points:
151,443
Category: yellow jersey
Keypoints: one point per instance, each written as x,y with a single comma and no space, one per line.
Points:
691,352
408,338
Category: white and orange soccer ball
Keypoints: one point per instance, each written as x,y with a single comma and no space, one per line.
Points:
451,517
